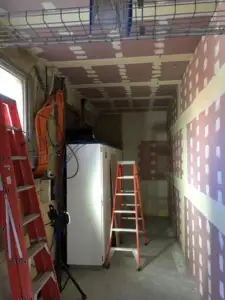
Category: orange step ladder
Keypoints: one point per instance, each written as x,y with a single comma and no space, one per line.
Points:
131,214
20,210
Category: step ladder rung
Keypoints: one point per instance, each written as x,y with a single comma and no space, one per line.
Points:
40,281
125,230
130,204
125,194
24,188
124,211
130,218
9,128
19,158
30,218
35,248
126,177
126,162
123,249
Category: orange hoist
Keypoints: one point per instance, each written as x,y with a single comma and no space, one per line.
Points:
41,130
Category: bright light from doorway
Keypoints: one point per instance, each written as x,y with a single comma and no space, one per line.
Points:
12,86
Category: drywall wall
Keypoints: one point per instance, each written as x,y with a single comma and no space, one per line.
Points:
108,129
199,190
145,141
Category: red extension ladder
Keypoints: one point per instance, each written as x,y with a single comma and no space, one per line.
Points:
129,214
20,210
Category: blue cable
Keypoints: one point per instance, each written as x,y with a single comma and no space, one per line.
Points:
130,16
91,15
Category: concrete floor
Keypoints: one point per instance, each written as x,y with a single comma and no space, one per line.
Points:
164,275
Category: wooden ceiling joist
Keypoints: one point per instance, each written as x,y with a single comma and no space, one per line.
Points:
124,84
121,61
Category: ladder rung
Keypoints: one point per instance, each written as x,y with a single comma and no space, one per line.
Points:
126,162
40,281
34,249
19,158
125,230
123,249
30,218
124,211
13,128
24,188
126,177
125,194
130,218
130,204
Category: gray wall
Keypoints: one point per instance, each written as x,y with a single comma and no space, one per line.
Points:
136,129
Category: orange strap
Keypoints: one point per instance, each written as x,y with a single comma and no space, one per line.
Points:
41,130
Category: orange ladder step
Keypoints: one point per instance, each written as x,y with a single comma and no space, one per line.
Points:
118,209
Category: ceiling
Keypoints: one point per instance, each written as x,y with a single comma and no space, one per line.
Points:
125,75
121,74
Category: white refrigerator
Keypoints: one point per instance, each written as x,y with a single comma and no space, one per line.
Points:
91,170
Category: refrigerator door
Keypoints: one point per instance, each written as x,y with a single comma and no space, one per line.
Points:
85,241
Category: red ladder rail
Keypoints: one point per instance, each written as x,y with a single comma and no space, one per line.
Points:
18,197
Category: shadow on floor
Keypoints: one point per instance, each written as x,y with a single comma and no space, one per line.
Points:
149,259
164,276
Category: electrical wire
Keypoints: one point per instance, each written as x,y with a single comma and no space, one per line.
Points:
29,141
77,147
77,161
55,146
77,170
70,155
33,151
